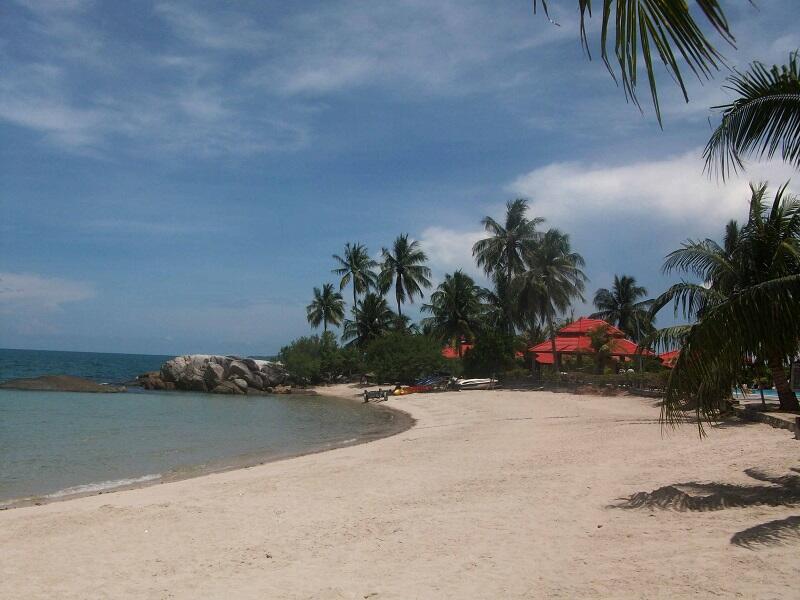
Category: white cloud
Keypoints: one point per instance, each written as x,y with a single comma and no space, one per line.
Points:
673,190
413,46
449,250
31,293
224,31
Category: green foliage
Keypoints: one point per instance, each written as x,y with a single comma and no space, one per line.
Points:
316,359
404,265
356,266
764,120
749,307
456,308
327,307
493,353
402,357
621,306
372,318
643,30
502,256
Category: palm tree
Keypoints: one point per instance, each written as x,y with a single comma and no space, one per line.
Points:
327,307
762,121
666,29
405,265
502,253
602,343
621,306
456,308
372,318
356,266
747,307
552,280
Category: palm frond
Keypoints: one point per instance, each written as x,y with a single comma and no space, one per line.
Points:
715,347
664,28
763,121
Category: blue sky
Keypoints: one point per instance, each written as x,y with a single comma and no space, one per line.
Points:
174,176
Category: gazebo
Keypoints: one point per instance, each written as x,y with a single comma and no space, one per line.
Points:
574,339
668,358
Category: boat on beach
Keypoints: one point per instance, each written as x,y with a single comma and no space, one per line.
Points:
477,384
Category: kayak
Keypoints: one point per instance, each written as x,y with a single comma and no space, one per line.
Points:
476,384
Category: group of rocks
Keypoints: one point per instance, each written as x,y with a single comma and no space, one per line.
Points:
219,375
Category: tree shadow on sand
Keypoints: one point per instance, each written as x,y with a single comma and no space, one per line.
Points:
695,496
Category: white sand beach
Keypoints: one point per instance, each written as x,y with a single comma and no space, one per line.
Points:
491,495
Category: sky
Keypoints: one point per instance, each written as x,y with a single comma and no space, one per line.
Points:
175,176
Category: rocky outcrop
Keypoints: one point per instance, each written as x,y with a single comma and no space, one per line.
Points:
217,374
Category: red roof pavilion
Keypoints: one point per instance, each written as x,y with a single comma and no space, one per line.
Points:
574,339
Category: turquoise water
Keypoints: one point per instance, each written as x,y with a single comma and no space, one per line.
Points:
55,444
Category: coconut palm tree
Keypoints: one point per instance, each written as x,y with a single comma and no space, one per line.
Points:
747,307
356,267
327,307
372,318
502,253
621,307
405,266
666,29
764,120
552,279
457,309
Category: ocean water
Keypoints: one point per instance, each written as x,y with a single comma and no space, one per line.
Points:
55,444
101,367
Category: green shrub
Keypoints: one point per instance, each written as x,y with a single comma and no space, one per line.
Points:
403,357
491,354
317,359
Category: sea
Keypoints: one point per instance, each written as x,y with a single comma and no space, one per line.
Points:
55,445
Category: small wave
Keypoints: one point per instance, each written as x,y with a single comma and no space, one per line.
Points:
89,488
100,486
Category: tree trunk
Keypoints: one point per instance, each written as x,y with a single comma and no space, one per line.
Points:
355,297
786,397
556,357
397,287
324,326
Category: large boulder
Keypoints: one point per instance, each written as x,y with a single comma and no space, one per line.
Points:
214,375
227,387
239,369
274,373
194,383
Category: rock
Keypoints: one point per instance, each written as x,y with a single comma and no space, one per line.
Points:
60,383
173,369
282,389
194,383
239,368
251,364
227,387
274,373
240,383
214,375
185,373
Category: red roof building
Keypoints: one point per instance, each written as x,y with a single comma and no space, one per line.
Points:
450,352
574,339
668,358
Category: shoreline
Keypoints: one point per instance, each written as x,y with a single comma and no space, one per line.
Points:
494,494
401,421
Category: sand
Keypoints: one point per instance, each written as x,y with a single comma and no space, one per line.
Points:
491,495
